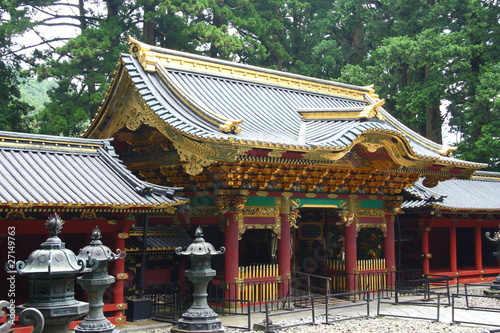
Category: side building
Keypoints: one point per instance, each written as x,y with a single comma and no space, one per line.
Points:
443,228
289,173
84,182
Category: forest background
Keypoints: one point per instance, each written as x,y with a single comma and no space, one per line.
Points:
433,60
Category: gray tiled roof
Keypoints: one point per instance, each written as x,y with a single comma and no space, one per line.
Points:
269,112
52,171
173,238
478,193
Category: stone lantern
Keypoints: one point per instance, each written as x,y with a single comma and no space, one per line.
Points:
495,285
199,317
96,282
52,270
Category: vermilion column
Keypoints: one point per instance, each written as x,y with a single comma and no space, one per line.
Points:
478,248
390,252
119,265
453,249
425,251
284,256
231,263
351,256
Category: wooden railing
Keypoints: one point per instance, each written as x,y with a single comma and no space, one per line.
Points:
259,282
370,274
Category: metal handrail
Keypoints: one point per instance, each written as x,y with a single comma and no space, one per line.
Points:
309,276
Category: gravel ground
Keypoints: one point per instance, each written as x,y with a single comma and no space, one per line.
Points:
381,325
487,302
373,325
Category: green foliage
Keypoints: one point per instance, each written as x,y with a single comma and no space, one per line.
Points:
418,54
13,111
481,140
36,93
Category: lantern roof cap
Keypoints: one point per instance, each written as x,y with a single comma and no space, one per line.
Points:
97,250
52,257
199,246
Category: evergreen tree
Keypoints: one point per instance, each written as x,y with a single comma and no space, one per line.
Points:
13,111
419,54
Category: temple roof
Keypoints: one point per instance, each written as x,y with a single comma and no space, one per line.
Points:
51,172
220,102
158,239
482,192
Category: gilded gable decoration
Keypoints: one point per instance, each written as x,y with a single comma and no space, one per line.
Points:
371,111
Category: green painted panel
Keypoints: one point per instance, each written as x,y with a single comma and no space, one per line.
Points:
371,204
203,202
261,201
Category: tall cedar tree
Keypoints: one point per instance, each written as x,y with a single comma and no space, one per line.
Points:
429,58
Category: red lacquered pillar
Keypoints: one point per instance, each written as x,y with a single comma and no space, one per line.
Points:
284,256
231,257
120,275
425,250
390,252
351,256
453,249
478,249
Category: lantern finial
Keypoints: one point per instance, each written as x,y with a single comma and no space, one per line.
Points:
54,225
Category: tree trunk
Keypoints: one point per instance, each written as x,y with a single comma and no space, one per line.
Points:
433,124
148,32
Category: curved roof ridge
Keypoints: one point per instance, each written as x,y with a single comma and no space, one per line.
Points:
150,55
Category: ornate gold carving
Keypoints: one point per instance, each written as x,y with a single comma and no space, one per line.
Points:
230,126
277,153
396,151
381,226
430,181
371,213
122,276
121,306
123,235
195,163
447,151
260,211
88,215
293,217
276,227
393,207
370,111
209,211
171,210
347,218
120,320
16,215
323,156
231,203
372,146
134,122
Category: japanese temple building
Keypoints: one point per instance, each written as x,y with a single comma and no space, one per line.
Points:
84,182
289,173
443,228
